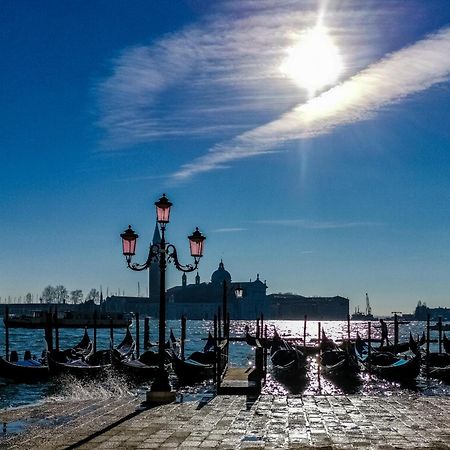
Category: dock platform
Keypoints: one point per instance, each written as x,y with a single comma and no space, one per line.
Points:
238,381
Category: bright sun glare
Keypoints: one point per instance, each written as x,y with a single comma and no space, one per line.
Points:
314,62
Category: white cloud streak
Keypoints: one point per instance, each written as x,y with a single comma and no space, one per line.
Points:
229,230
319,225
398,75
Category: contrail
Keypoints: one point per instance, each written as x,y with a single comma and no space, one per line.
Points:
400,74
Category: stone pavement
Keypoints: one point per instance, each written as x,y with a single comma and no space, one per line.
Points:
272,422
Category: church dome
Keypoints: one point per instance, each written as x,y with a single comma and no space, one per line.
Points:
220,275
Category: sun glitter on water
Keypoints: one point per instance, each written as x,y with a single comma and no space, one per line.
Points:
314,61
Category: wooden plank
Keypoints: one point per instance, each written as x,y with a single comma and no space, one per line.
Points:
236,382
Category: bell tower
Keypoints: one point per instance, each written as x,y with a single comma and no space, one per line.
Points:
153,271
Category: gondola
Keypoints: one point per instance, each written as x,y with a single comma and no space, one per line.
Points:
288,362
31,370
387,365
252,340
199,366
190,371
336,361
326,343
127,346
80,361
83,349
439,366
125,361
422,340
151,358
135,369
207,356
28,370
93,366
391,348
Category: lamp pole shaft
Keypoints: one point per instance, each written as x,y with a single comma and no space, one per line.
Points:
162,300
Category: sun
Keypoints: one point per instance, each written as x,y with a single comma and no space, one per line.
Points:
314,61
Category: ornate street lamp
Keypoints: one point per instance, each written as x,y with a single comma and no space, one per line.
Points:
162,254
239,292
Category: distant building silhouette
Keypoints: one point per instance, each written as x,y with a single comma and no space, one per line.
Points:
198,300
421,312
295,307
201,300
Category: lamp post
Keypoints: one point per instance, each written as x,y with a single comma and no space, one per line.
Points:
162,253
239,292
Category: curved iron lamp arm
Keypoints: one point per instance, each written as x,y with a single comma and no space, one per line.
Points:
153,256
173,257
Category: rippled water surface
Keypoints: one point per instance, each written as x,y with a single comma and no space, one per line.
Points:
240,355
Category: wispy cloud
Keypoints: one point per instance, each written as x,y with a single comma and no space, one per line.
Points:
215,79
219,79
319,225
229,230
398,75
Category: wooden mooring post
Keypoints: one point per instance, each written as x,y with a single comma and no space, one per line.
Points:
265,352
56,326
95,331
319,331
395,332
7,333
219,320
146,333
440,333
183,335
48,330
262,324
227,337
216,351
348,329
369,342
138,337
304,331
111,333
225,307
428,345
259,365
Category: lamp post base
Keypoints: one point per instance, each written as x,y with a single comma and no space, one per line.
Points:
160,397
161,390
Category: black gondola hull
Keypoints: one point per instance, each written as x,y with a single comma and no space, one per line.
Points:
190,371
23,373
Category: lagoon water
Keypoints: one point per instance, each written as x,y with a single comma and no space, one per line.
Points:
12,395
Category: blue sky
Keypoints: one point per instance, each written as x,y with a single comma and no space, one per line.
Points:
341,189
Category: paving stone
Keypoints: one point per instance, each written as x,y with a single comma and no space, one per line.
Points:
332,422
